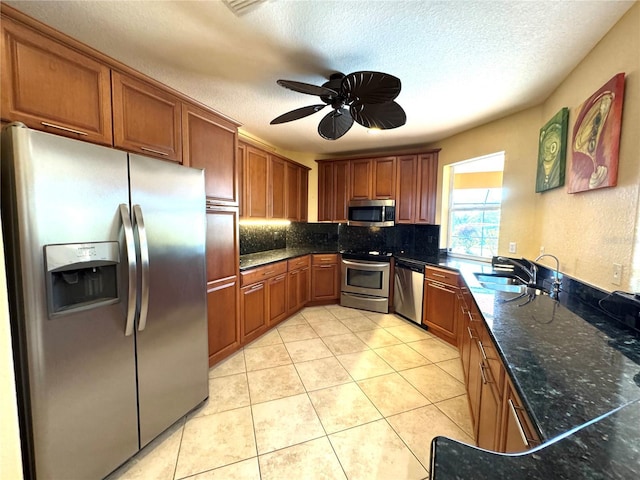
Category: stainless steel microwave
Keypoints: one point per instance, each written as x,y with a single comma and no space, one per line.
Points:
372,213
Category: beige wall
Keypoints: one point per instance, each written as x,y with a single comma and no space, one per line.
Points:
588,231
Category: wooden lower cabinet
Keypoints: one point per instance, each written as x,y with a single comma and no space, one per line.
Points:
441,291
222,319
277,288
299,283
518,432
325,277
253,311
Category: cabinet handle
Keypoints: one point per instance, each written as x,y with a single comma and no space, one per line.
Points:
256,287
267,272
439,275
281,277
441,286
484,354
512,407
470,333
484,379
150,150
325,266
59,127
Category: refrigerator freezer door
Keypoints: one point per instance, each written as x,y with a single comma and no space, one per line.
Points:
77,369
168,203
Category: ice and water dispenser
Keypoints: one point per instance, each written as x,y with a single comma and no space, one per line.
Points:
81,276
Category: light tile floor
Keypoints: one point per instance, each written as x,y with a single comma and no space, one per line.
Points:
331,393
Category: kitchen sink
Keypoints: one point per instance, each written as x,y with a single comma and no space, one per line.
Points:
501,282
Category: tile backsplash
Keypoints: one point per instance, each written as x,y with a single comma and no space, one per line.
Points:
412,239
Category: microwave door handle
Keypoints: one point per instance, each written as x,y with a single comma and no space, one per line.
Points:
144,260
131,268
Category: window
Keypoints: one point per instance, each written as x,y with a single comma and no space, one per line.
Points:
474,207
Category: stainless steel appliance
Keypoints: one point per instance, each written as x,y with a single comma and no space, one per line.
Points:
408,293
372,213
365,281
106,269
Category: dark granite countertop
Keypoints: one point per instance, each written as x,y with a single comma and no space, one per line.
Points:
571,366
253,260
577,372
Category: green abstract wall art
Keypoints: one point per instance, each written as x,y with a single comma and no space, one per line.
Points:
552,152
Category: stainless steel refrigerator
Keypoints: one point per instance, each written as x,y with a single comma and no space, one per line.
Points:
106,269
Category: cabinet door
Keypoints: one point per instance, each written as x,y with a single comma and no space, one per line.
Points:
325,285
325,191
440,304
304,287
518,433
241,160
277,299
51,87
222,282
223,319
209,142
293,191
304,194
427,187
277,187
253,311
361,179
255,183
384,178
146,119
474,382
406,182
341,191
489,411
293,284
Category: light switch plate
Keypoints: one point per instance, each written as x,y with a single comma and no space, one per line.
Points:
616,277
513,247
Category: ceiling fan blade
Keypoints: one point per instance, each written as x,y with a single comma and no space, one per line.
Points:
297,114
379,115
371,87
307,88
335,124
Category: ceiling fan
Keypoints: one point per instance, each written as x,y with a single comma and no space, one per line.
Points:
366,97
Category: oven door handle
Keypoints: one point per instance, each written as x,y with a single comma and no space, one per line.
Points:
364,266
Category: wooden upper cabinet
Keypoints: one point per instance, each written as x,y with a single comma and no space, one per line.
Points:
293,191
383,183
146,119
304,194
406,188
209,142
361,179
427,187
340,191
241,160
277,185
325,191
51,87
256,169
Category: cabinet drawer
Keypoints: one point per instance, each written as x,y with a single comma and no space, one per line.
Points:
298,263
324,258
262,273
442,276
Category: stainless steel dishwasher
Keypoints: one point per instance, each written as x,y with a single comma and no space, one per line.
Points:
409,289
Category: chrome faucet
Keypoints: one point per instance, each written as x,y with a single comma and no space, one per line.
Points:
531,270
556,283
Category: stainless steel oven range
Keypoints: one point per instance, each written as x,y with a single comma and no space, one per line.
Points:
365,281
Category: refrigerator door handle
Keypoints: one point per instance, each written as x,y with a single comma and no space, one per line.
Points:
144,260
131,268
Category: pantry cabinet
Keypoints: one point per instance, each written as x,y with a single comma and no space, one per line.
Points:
223,316
146,119
49,86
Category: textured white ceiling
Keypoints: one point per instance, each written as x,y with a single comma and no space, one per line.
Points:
461,63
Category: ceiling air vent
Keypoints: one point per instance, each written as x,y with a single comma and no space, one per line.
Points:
242,7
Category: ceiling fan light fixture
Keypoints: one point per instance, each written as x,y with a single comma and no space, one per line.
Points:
364,97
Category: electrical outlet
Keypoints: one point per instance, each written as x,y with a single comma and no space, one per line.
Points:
616,277
541,250
513,247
